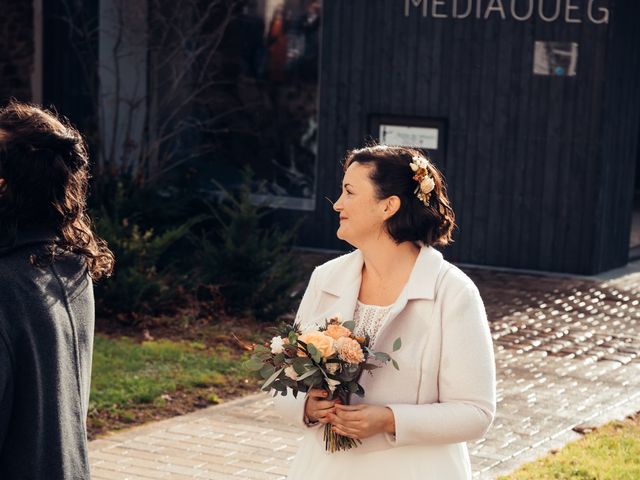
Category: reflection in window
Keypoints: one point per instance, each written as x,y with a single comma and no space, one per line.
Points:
268,99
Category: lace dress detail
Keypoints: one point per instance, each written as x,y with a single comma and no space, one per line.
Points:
369,319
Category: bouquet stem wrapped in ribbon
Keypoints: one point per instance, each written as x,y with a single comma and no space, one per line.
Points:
329,357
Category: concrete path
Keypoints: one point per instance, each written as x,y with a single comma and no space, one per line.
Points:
567,356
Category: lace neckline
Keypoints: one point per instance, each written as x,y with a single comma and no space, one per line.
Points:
381,307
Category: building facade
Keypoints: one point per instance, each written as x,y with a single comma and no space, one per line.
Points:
531,108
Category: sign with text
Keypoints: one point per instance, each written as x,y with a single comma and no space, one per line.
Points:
413,132
568,11
417,137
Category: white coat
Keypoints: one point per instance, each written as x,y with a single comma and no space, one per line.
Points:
442,396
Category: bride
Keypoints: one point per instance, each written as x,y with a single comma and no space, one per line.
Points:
413,423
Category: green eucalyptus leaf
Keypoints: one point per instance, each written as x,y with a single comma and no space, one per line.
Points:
397,344
300,365
395,364
278,360
271,379
267,370
253,364
381,357
279,386
314,353
308,374
370,366
350,324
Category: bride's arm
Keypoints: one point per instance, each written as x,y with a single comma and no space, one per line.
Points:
466,385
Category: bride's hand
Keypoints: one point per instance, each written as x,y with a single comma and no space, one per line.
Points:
317,406
362,421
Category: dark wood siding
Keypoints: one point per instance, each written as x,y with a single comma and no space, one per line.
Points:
619,126
539,168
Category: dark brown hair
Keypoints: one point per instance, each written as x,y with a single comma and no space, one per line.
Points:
391,174
45,164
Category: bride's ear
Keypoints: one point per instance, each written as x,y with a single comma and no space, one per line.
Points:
391,206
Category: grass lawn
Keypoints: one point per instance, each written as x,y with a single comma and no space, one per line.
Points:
135,381
611,452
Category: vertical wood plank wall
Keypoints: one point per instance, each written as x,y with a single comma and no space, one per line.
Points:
540,169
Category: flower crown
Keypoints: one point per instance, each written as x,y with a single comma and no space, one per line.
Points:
426,184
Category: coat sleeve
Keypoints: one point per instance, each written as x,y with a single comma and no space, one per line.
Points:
289,407
466,382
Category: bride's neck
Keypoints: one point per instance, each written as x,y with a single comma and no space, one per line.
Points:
385,260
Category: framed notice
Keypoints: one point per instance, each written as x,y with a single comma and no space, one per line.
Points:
416,132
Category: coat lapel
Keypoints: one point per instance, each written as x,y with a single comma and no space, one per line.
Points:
344,284
420,286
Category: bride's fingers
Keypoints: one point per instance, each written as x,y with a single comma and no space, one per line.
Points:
351,408
324,405
324,412
342,423
348,415
319,394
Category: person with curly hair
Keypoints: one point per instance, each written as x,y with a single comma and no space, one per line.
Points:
49,256
414,423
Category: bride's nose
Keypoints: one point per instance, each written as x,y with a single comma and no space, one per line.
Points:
336,205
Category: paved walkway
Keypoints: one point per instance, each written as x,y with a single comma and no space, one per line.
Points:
567,354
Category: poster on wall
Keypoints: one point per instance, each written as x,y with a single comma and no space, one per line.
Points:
558,59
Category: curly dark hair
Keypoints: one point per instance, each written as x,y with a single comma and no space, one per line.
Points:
45,166
433,224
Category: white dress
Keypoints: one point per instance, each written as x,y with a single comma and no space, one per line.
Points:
369,319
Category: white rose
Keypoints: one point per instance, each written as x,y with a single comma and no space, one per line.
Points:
332,384
277,345
419,162
332,368
291,372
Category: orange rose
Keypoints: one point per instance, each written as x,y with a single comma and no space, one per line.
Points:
336,331
323,343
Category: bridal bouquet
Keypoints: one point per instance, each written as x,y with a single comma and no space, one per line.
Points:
328,357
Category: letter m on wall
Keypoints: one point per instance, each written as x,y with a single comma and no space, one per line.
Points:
415,3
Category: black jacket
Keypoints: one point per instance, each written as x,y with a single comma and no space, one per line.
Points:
46,341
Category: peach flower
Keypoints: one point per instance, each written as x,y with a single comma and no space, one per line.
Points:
427,184
336,331
349,350
323,343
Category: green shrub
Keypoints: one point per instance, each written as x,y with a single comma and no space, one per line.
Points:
144,279
235,259
252,264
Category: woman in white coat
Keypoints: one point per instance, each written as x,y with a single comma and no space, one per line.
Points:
414,423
